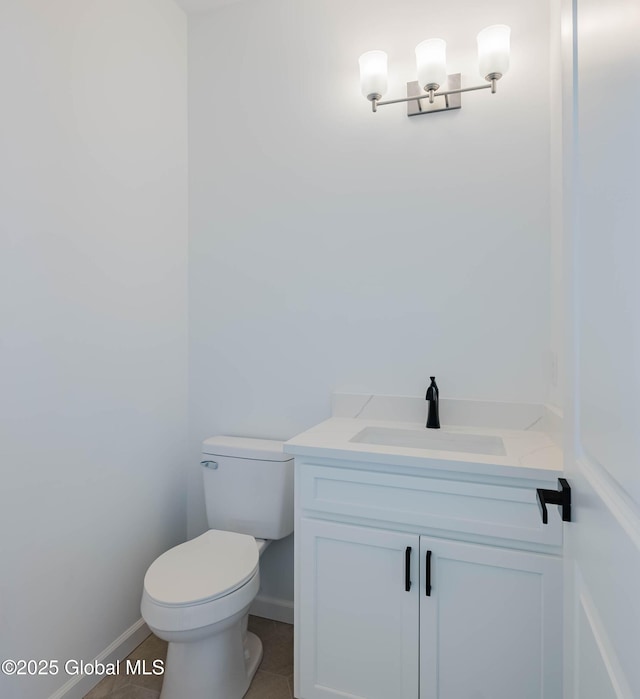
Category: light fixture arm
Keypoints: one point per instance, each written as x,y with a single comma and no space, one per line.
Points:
375,103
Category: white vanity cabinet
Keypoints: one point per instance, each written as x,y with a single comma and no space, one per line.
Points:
393,603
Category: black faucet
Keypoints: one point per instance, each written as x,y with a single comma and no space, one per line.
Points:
433,396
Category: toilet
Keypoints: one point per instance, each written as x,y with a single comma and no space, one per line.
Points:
197,595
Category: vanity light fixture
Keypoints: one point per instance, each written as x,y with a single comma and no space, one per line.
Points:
433,81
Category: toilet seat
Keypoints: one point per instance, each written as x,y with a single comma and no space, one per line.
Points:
204,569
201,582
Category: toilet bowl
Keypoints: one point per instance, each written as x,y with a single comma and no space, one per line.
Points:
197,595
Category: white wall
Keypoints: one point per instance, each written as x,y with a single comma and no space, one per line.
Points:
93,219
335,249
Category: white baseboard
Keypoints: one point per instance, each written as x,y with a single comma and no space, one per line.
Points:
273,608
80,685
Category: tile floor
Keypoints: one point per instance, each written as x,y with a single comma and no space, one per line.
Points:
274,679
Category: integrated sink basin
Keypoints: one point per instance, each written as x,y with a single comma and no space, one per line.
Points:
438,440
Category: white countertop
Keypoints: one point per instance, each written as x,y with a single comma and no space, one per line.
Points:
529,453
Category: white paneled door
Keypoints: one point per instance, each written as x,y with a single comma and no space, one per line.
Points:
358,612
490,622
602,197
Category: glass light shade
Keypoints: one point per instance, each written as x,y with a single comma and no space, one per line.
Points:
373,73
431,57
494,49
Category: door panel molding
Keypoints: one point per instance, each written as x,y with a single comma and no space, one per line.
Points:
586,609
625,511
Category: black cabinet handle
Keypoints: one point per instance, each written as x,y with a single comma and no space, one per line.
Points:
561,497
407,569
427,588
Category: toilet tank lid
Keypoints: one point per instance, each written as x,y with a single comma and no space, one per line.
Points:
245,448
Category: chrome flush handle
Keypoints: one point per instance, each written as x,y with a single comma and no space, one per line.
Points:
210,464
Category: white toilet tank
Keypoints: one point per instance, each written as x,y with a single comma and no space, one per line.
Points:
248,486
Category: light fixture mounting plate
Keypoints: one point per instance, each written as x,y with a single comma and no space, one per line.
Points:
444,103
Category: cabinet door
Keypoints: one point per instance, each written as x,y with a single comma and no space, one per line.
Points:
491,627
358,624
